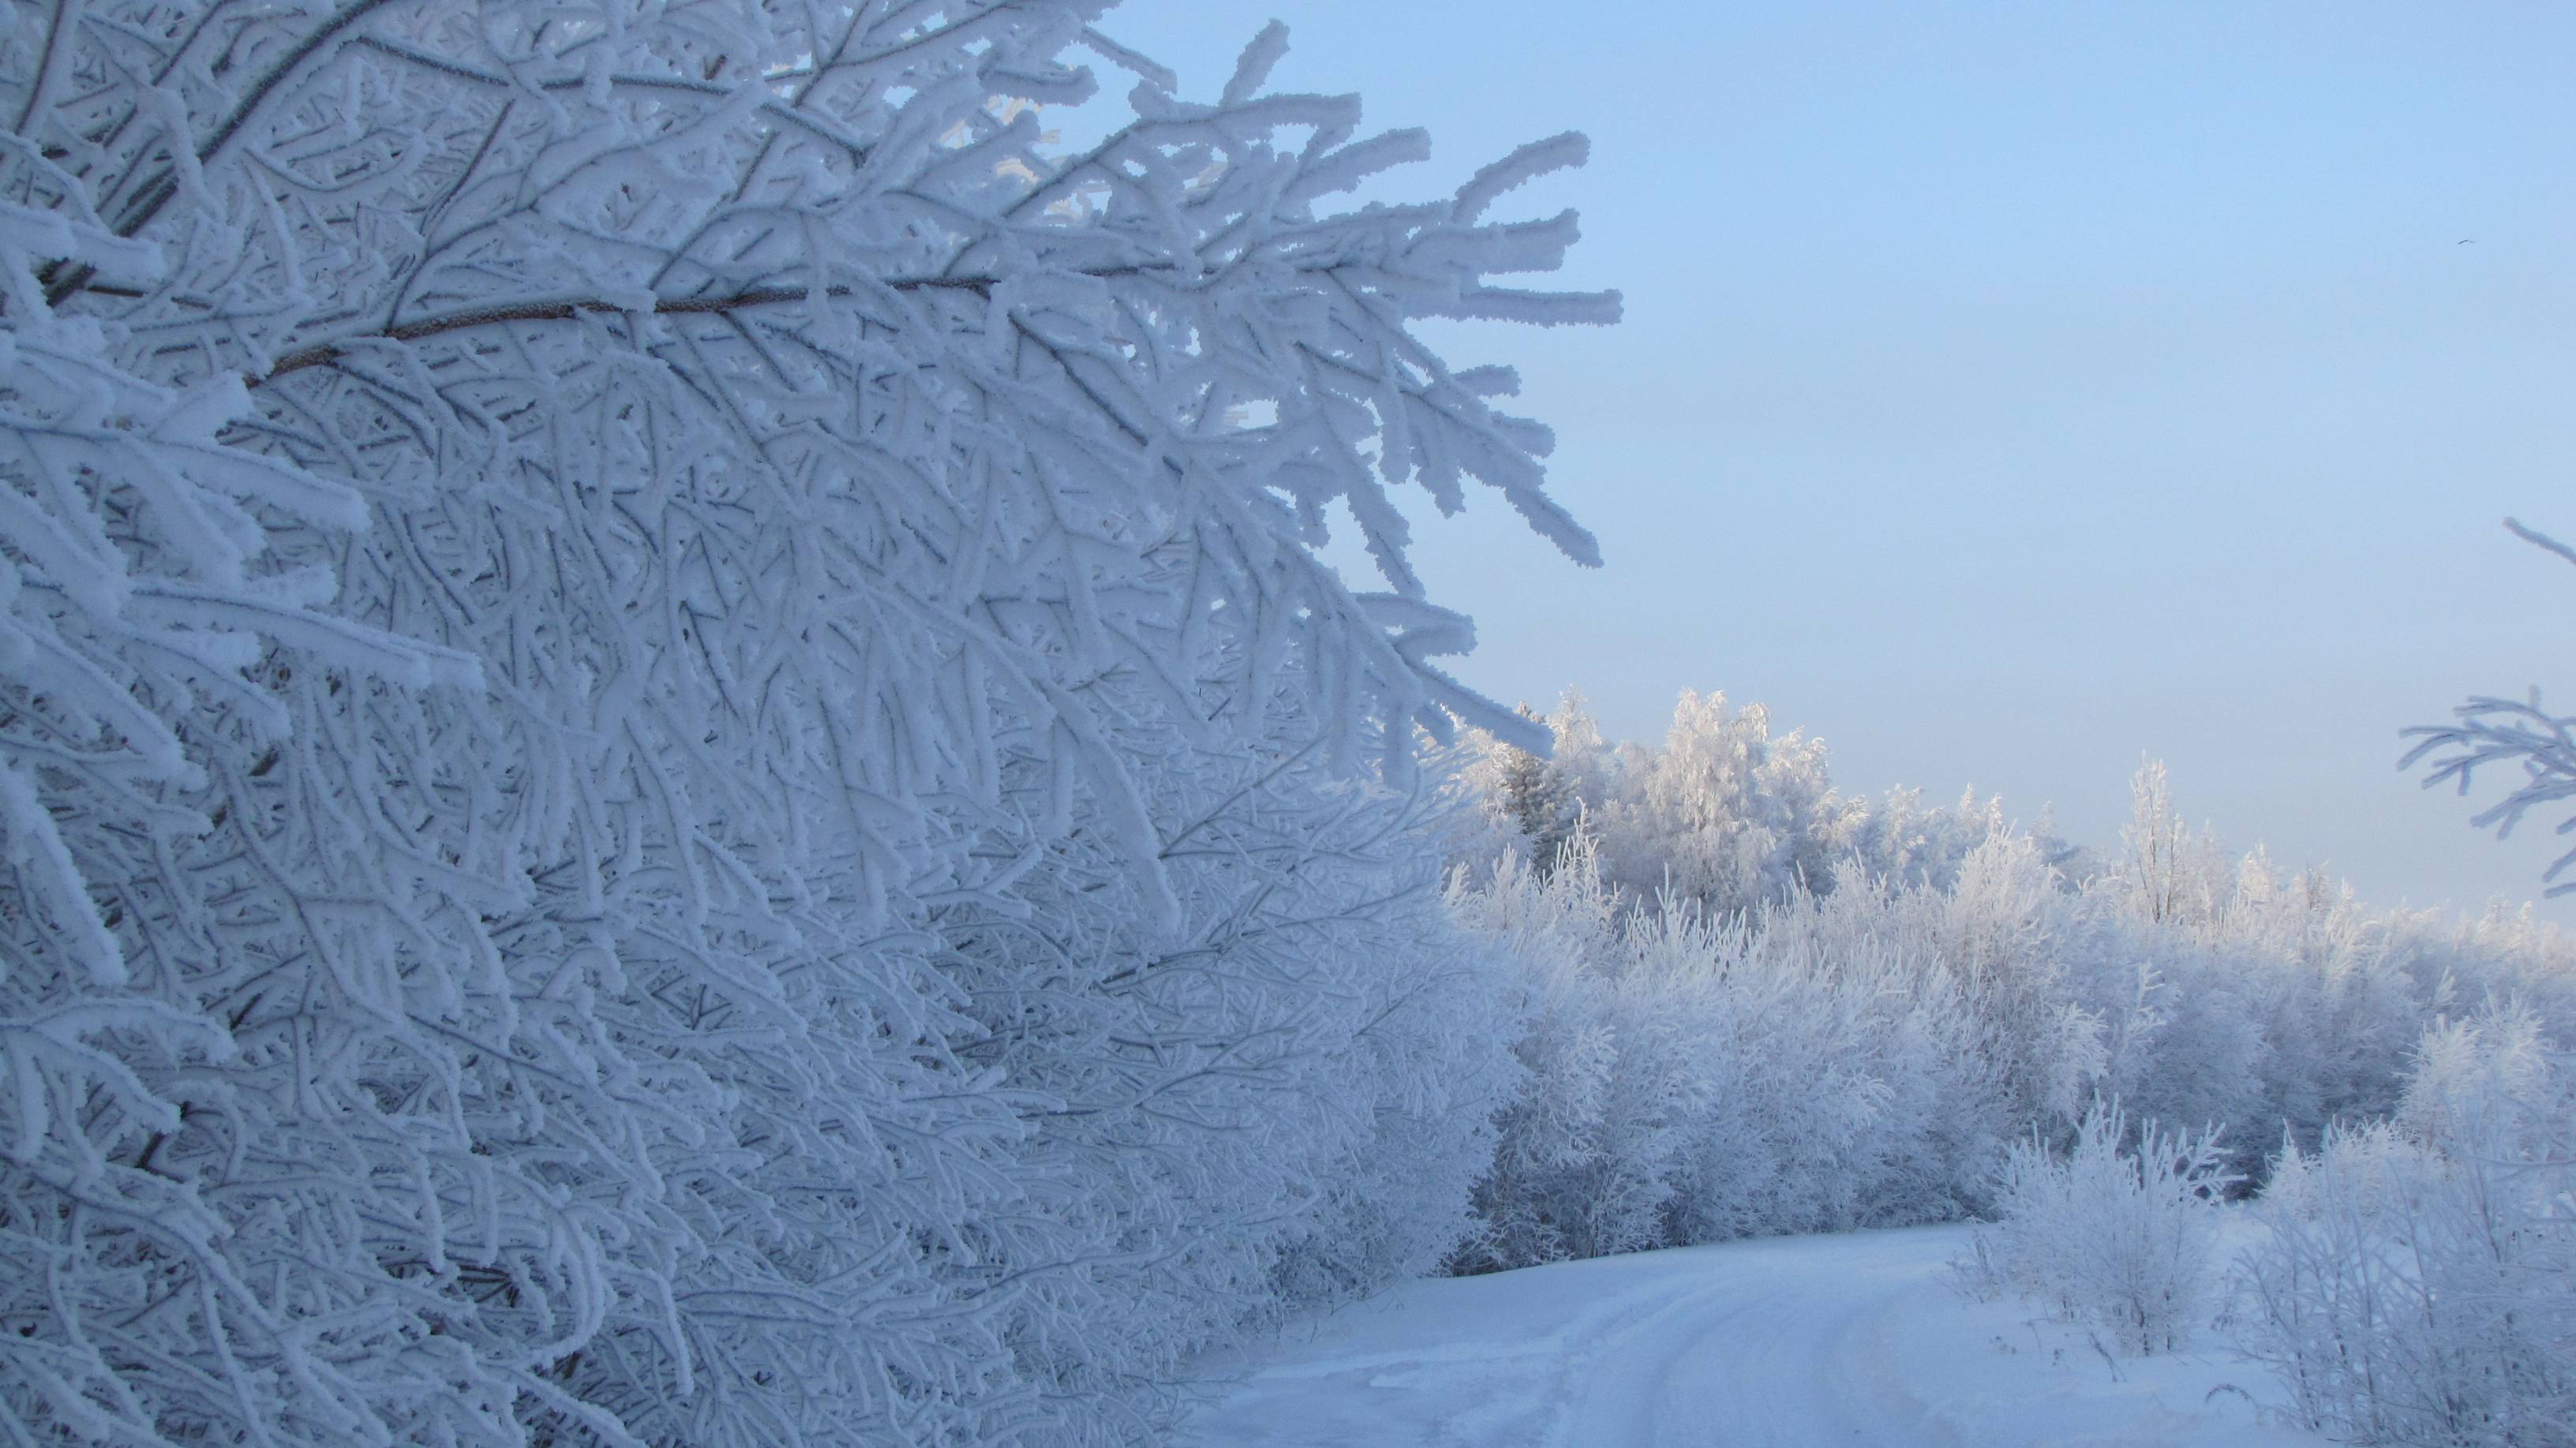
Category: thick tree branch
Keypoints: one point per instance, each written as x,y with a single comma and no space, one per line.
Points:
563,311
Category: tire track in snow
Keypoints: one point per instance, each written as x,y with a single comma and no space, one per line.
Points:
1765,1342
1772,1346
1854,1341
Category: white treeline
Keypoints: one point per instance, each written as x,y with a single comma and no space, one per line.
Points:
674,764
1762,1006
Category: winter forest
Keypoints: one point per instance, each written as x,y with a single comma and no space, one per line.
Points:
678,767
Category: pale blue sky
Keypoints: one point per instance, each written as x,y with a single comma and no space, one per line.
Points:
2010,390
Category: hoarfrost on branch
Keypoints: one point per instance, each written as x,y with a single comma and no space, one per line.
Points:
674,763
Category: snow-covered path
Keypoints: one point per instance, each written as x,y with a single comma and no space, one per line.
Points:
1854,1341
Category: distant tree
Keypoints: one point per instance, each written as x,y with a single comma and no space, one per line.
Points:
1535,799
2170,874
2508,733
1731,815
674,766
1720,810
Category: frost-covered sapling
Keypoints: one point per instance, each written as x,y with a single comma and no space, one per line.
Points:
2114,1236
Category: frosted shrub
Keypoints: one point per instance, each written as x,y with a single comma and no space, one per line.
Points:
2417,1280
2118,1240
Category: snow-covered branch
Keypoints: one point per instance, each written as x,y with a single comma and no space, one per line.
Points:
2498,733
623,630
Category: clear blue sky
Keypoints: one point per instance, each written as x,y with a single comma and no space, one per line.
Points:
2009,390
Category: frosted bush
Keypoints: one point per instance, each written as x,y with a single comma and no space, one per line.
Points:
2416,1283
2117,1239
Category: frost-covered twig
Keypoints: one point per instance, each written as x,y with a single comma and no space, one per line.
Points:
2498,732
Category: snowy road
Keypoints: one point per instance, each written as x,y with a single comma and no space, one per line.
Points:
1854,1341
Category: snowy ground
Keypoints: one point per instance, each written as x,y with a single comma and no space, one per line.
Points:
1848,1340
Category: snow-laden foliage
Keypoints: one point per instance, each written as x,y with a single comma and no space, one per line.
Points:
2417,1282
1751,1050
673,766
2119,1238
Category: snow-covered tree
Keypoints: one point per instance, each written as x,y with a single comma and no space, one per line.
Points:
1532,802
673,763
2168,873
1532,799
1720,810
1727,814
